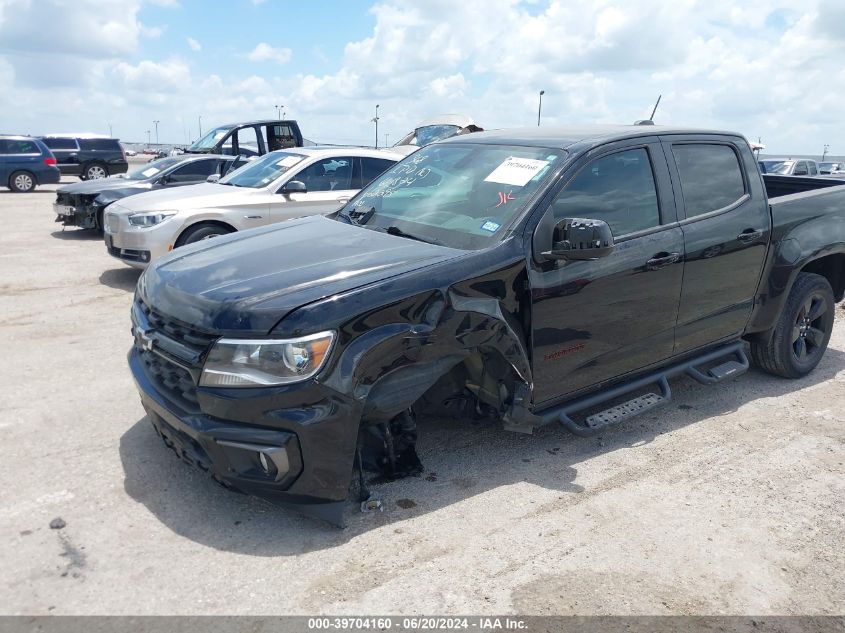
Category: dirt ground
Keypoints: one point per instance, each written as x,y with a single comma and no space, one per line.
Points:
729,500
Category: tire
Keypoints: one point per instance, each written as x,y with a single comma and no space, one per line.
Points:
201,232
95,171
22,182
802,331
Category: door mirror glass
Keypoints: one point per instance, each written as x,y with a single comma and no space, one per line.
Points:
213,178
294,186
580,239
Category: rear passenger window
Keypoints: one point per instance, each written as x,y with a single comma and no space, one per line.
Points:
196,170
14,146
813,170
371,168
60,143
618,189
711,177
100,144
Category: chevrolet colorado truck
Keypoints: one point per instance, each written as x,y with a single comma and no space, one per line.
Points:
536,276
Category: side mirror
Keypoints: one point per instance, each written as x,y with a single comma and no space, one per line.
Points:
213,178
580,239
294,186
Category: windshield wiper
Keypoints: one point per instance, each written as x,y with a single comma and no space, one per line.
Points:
360,217
395,230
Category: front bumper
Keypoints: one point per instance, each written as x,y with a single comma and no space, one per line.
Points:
135,246
307,432
83,216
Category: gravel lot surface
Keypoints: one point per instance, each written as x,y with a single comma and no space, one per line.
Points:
729,500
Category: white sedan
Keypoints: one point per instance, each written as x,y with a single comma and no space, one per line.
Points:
278,186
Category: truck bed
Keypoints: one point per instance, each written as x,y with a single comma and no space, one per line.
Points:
779,186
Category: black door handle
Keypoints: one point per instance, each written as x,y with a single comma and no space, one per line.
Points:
661,260
749,235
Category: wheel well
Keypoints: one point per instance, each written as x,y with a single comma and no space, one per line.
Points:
832,268
181,239
22,171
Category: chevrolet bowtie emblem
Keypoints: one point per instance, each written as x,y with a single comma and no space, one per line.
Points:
144,340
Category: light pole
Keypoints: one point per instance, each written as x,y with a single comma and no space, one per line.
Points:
148,138
199,121
824,153
156,124
279,109
385,138
110,134
540,107
375,120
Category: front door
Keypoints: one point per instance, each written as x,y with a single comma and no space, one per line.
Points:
726,225
329,186
593,321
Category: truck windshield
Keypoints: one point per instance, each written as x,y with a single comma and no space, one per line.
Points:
152,168
262,171
458,195
430,133
777,166
211,139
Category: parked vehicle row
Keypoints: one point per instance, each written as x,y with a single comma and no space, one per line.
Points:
82,204
533,276
789,167
87,156
278,186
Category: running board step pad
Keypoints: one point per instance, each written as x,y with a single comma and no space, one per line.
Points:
728,369
629,409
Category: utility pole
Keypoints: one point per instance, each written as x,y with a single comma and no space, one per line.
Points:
540,107
156,124
375,120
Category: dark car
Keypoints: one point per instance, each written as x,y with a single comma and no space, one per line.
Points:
536,276
89,157
81,204
26,162
249,138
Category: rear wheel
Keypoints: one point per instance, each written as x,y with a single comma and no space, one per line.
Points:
802,332
22,182
202,232
94,171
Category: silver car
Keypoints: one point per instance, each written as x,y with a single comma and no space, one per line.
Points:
278,186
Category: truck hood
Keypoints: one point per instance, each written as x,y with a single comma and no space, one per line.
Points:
93,187
245,283
203,195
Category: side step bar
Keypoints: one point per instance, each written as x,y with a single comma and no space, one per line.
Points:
735,363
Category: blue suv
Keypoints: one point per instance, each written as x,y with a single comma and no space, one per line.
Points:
26,162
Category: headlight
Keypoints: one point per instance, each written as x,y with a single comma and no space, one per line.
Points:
250,363
150,218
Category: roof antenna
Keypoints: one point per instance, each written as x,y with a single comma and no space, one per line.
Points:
650,120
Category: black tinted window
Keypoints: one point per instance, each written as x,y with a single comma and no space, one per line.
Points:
101,144
372,168
330,174
60,143
195,170
618,189
14,146
711,177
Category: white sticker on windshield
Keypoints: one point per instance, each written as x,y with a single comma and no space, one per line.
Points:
516,171
289,161
152,171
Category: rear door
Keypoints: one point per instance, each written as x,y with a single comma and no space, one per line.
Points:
725,220
593,321
66,151
329,185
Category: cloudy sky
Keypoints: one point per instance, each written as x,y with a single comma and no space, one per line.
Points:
768,69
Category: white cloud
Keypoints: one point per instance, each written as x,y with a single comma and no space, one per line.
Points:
152,32
266,53
194,45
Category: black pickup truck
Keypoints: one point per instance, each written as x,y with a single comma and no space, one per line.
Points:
536,276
